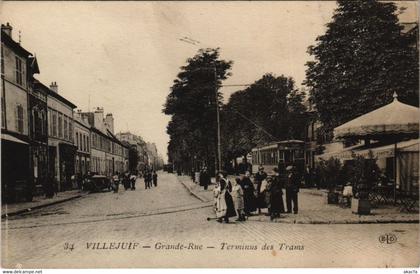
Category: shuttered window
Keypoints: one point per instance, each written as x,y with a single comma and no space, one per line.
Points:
19,71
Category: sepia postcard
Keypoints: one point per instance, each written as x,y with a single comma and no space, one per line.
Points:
209,134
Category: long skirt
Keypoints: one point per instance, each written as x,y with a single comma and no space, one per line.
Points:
276,202
230,208
249,202
261,203
220,204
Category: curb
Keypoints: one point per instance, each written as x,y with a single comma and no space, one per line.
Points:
340,222
20,211
192,192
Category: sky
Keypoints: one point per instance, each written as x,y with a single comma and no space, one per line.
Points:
124,56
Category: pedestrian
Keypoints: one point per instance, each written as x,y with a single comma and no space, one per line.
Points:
205,179
292,189
219,200
116,181
224,202
126,181
276,196
149,178
146,179
307,176
133,179
249,196
155,178
259,178
238,199
267,193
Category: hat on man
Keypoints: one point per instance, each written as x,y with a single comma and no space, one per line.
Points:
289,168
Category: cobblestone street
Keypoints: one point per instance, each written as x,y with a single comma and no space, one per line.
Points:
85,233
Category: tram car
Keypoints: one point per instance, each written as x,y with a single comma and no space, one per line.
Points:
279,154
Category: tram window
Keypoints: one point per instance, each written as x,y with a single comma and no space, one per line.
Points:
281,153
298,154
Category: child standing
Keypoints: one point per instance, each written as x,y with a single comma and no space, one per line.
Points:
238,199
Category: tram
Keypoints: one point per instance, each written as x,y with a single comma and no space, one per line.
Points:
279,154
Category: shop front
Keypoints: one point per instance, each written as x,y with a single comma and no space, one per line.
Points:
16,181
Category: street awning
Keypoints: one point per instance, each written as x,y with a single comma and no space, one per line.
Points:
382,151
10,138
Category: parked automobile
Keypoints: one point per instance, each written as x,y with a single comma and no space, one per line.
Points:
97,183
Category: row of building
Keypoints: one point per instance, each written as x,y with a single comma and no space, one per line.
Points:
45,139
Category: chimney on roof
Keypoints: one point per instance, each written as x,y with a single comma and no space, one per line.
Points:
7,29
54,87
99,118
109,122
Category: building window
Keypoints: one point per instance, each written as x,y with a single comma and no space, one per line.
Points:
80,141
66,136
19,71
19,118
42,121
87,143
49,122
3,112
35,117
70,131
84,143
77,141
54,126
60,126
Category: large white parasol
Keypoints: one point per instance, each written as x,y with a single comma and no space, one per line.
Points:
394,119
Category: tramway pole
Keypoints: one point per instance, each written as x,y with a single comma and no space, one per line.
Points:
219,146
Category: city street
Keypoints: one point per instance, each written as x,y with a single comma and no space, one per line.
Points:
166,226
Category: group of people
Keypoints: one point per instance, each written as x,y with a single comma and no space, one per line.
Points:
128,181
150,179
241,197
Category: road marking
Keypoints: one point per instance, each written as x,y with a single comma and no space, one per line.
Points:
110,219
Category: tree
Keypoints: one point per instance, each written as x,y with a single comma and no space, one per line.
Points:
360,61
192,105
269,110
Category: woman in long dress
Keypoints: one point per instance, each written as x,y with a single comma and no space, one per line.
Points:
223,200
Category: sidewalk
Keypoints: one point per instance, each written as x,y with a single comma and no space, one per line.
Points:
313,209
39,202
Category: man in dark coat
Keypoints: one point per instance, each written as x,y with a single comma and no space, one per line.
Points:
147,178
249,196
205,179
259,177
292,189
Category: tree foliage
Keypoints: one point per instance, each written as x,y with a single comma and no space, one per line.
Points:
192,105
271,109
360,61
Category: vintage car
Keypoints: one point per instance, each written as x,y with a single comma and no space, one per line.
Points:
97,183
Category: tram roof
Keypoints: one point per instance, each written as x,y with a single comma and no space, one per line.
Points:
275,144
